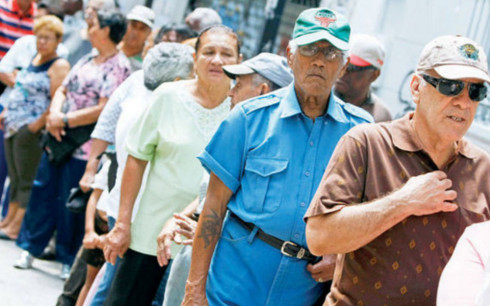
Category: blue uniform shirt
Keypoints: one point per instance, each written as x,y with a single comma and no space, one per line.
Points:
272,157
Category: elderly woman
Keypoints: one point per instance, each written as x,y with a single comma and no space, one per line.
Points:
176,125
78,102
27,106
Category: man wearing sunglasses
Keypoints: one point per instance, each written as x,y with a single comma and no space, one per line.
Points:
367,56
266,160
397,196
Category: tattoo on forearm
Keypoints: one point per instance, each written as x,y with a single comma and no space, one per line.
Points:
211,228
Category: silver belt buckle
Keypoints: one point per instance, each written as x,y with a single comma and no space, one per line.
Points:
300,254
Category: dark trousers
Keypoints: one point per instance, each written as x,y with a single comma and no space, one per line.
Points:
73,285
136,280
47,212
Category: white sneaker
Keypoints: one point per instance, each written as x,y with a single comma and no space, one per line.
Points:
25,261
65,271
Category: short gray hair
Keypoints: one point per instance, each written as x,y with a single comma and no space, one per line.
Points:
165,62
293,47
258,79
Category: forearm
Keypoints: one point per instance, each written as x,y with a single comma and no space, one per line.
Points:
207,233
353,226
191,208
7,78
98,147
130,186
91,209
58,100
84,116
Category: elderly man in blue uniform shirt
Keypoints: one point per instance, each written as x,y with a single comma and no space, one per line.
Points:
266,161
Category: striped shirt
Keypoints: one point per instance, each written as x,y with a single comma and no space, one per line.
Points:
14,23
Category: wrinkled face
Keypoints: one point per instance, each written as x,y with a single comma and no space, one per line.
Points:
46,41
244,89
95,34
355,83
216,50
136,34
315,75
446,117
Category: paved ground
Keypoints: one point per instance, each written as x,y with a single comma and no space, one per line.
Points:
39,286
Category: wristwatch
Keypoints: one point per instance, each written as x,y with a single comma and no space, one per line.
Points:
65,120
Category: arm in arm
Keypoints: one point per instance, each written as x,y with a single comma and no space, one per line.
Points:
207,235
90,239
119,238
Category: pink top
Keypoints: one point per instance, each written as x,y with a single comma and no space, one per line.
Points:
463,277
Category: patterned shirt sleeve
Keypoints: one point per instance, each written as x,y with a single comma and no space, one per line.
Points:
225,153
115,73
343,181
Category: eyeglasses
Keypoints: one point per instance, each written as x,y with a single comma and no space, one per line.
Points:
330,53
451,88
45,38
354,68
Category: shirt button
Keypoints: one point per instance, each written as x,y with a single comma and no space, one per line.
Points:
303,204
307,173
311,143
296,235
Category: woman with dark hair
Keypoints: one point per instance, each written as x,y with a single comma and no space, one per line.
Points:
78,102
173,129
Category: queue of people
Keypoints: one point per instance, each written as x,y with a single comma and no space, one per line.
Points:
212,181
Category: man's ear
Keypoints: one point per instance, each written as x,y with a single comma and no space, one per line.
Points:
415,85
344,68
264,88
289,56
374,75
240,58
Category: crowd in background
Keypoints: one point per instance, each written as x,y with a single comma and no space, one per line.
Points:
109,126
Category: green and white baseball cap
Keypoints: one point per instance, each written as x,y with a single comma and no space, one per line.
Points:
318,24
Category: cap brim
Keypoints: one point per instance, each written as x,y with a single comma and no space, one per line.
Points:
357,61
456,72
143,20
322,35
233,70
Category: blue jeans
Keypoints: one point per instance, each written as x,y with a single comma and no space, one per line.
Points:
47,212
105,284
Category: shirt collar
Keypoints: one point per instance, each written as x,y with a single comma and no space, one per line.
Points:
404,138
290,105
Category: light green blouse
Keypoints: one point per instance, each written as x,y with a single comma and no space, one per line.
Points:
171,132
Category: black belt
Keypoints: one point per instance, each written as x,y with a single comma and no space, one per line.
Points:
287,248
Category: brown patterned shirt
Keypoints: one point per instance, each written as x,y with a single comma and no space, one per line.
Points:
403,265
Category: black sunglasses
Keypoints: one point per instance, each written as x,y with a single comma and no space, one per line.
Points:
476,92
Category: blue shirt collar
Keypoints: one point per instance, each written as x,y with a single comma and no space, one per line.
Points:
290,106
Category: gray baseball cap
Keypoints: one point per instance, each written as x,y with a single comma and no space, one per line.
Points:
142,14
271,66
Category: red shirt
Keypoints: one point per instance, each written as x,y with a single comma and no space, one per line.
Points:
14,23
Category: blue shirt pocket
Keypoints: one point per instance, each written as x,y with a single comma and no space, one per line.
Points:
263,184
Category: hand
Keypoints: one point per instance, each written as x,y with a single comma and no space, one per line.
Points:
117,243
164,241
428,194
195,294
101,242
90,240
186,228
323,270
86,181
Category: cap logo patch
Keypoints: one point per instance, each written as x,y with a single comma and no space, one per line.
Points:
325,18
469,51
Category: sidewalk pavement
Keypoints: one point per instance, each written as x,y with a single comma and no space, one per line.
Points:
39,286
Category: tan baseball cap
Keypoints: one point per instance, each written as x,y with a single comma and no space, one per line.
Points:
454,57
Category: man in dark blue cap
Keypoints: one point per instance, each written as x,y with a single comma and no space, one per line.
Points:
257,76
